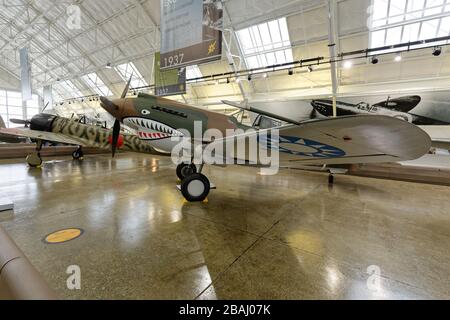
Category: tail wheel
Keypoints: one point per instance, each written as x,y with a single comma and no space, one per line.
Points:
184,170
195,188
77,154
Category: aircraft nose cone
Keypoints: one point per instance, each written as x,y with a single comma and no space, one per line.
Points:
110,107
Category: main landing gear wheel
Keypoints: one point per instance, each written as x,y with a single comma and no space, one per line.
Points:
34,160
78,154
185,170
195,188
330,179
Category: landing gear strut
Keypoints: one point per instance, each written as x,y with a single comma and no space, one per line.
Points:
34,159
195,187
78,154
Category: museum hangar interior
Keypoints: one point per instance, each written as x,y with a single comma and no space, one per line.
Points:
238,149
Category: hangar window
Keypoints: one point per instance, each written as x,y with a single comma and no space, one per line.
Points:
32,106
95,83
402,21
193,72
266,44
11,107
126,70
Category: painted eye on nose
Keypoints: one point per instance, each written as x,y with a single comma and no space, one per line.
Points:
145,112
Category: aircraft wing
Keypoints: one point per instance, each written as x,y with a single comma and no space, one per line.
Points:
347,140
42,135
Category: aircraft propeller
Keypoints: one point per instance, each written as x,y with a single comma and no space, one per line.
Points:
26,123
116,128
313,114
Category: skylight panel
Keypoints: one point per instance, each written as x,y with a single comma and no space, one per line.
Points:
95,83
66,90
266,44
126,70
193,72
396,21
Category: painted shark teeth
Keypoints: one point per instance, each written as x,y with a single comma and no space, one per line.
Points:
147,128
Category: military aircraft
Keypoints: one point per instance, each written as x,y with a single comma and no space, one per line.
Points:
48,127
398,108
343,140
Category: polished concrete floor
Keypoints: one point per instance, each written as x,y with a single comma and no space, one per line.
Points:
290,236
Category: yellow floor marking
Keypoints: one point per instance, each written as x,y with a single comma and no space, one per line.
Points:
62,236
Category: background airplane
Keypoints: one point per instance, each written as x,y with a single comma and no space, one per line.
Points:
398,108
48,127
343,140
8,138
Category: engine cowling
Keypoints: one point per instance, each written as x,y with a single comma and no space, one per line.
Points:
42,122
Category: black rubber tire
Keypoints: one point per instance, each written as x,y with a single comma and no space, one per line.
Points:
330,179
181,170
34,165
77,155
186,186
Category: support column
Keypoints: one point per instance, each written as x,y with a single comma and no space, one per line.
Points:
332,37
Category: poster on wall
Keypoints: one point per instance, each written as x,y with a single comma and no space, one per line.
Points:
169,82
424,108
190,32
420,109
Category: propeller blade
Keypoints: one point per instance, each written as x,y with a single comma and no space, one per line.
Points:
19,121
115,137
46,106
125,91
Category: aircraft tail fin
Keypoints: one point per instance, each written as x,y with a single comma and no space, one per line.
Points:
2,123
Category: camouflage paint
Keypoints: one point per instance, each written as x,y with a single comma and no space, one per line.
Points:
97,136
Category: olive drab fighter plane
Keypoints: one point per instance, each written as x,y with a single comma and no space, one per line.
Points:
344,140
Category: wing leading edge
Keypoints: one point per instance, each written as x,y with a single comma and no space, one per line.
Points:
41,135
347,140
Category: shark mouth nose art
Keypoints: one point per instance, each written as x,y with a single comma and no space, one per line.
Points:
150,129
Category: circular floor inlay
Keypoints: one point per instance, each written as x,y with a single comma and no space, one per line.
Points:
62,236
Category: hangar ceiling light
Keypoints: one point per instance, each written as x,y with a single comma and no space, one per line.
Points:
266,44
126,70
402,21
96,84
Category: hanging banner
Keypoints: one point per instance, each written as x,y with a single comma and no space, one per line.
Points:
191,32
25,75
169,82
